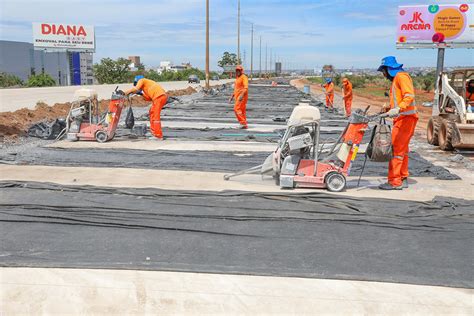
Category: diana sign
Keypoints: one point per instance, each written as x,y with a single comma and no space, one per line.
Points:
74,37
437,25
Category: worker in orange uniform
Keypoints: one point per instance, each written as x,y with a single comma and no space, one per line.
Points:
329,87
402,109
347,95
151,91
241,95
470,95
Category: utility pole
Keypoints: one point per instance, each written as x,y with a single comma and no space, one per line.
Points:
238,32
260,71
251,55
207,44
271,60
266,58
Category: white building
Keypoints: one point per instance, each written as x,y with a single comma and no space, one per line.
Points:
168,66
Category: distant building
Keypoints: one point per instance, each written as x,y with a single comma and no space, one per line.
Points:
168,66
278,68
134,59
66,68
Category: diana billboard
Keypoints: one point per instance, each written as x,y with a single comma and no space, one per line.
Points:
74,37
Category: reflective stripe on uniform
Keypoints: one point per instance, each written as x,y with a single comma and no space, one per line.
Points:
398,157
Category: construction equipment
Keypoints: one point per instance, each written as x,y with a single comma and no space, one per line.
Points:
85,122
299,161
452,122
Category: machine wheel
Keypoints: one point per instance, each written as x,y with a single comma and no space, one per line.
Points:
101,136
432,130
335,182
447,132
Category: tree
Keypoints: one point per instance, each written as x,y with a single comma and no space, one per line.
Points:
41,80
112,71
328,68
8,80
229,59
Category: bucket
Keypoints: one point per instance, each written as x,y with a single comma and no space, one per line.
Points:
306,89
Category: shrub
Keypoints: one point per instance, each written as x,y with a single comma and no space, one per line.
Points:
41,80
9,80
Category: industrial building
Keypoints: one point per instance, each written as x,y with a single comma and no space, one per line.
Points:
66,68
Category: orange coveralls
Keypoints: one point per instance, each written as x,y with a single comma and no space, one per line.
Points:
241,88
152,91
402,95
329,87
347,85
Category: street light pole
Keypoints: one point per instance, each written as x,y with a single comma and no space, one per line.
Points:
238,32
251,55
260,71
207,44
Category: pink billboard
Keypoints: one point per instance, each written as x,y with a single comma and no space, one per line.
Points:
434,25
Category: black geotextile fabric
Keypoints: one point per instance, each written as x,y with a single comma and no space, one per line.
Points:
314,235
216,161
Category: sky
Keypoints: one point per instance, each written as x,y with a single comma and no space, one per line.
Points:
303,34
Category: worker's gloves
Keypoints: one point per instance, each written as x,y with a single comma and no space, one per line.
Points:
393,112
241,98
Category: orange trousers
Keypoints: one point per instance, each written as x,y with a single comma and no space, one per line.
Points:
155,115
329,100
403,130
348,106
240,110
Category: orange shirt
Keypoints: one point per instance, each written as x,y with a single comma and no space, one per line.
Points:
151,89
347,90
469,96
329,88
402,93
241,86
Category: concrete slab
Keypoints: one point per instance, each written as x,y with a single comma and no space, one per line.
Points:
82,291
421,189
15,99
252,127
146,144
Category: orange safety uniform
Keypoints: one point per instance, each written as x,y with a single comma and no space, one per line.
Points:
329,87
152,91
241,88
347,85
402,95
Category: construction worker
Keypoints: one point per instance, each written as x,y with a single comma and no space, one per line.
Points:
347,95
470,96
402,109
151,91
241,95
329,87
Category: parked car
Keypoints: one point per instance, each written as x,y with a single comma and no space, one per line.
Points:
193,79
215,77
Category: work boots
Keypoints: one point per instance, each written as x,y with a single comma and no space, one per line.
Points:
388,186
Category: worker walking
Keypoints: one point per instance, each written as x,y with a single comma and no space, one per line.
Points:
151,91
241,95
329,87
402,109
347,95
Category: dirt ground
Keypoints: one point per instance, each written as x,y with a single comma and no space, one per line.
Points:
376,103
15,124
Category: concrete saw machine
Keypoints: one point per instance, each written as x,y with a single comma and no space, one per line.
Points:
86,122
299,162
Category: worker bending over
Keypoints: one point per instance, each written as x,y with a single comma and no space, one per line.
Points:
241,95
402,109
347,95
329,87
151,91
